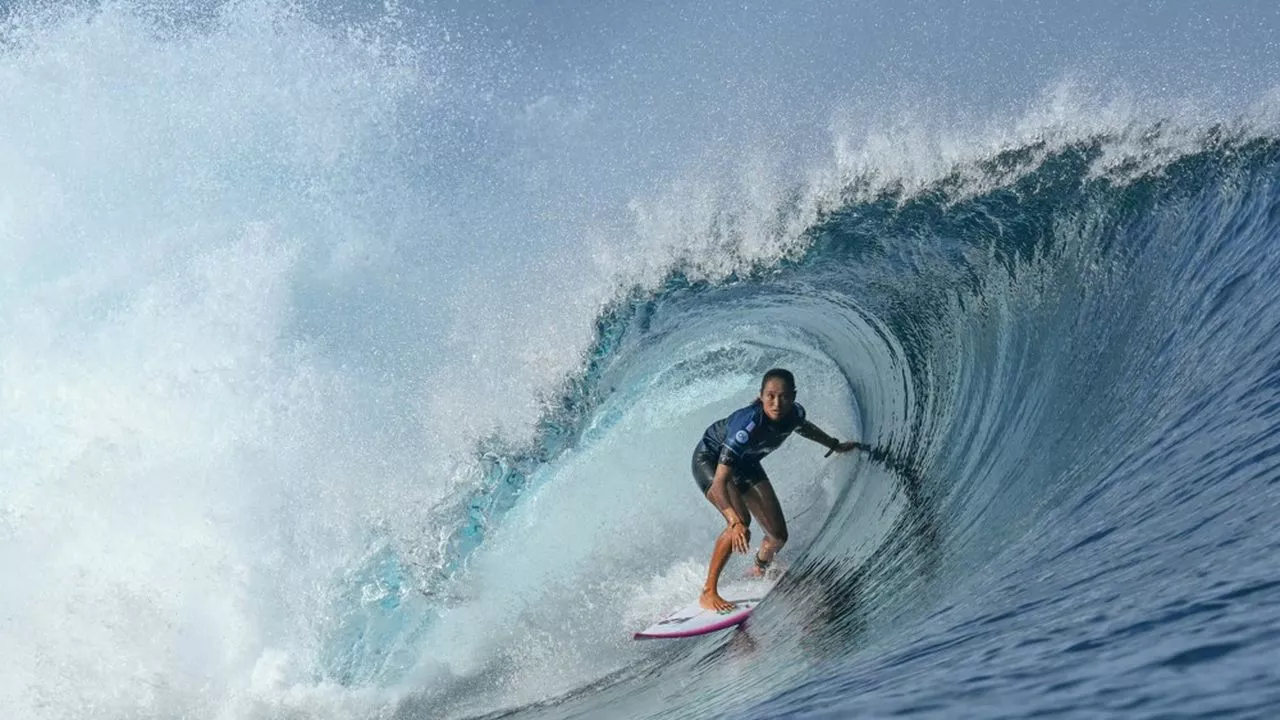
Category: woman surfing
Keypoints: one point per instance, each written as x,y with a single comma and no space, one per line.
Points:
726,466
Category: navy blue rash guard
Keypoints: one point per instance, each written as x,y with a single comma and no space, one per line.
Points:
745,437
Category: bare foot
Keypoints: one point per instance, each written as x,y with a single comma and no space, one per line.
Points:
711,600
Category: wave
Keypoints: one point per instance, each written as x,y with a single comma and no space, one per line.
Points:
325,393
1024,357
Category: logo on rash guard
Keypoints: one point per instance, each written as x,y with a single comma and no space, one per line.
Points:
742,437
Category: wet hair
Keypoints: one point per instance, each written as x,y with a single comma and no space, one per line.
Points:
780,374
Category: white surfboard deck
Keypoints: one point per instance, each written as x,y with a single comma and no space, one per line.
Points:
692,619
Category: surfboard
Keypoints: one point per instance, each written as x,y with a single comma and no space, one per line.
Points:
693,620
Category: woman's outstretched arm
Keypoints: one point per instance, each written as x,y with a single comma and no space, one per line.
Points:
813,432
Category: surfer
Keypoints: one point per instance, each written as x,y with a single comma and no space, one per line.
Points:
726,466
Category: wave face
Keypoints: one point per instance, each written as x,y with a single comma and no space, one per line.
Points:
342,375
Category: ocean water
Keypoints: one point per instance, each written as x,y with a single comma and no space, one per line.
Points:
351,358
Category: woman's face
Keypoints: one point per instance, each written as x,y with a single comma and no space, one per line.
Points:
777,399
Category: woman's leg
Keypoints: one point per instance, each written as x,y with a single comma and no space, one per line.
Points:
704,468
710,598
764,505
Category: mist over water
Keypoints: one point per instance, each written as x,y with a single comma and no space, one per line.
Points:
350,360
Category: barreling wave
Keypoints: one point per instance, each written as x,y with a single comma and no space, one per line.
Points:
1068,375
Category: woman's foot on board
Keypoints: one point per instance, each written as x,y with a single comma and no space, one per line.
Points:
711,600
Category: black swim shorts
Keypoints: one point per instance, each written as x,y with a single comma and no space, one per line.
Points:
704,470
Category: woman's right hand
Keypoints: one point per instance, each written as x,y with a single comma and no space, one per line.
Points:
740,535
